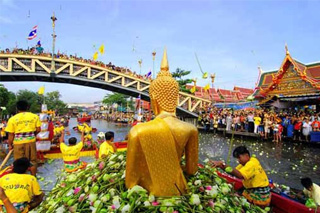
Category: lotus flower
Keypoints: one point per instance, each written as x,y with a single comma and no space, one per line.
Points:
80,199
101,165
195,200
116,202
93,197
147,203
197,182
155,203
76,190
126,208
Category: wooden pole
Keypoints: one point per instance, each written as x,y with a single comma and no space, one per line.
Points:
6,159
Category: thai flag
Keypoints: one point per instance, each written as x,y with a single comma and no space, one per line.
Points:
39,43
148,75
33,33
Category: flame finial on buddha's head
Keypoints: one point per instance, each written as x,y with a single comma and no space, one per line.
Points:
164,90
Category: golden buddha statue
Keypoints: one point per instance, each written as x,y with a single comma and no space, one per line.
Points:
155,148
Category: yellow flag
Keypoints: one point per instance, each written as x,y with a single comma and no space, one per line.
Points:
193,89
41,90
95,56
101,49
206,88
205,75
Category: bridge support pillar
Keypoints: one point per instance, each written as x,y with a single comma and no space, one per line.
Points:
191,120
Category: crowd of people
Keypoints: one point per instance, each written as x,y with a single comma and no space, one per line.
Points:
267,123
38,50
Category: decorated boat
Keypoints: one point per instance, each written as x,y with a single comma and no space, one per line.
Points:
55,152
84,119
78,129
279,203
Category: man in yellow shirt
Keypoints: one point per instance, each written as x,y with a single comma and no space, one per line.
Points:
107,146
311,189
71,154
22,129
257,122
21,189
254,178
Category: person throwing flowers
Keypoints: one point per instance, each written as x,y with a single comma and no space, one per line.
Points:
254,178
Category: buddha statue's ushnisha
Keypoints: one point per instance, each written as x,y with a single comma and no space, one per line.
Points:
155,148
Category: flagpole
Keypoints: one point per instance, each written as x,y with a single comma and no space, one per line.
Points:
54,19
153,58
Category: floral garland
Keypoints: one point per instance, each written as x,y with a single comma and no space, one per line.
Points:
101,188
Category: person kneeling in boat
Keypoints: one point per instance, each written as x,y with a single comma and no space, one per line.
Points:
71,154
254,178
22,190
107,146
311,189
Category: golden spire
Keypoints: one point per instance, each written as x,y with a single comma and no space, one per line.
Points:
286,47
164,62
164,88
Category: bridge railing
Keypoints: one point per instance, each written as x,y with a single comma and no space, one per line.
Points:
40,64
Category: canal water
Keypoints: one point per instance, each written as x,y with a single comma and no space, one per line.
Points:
285,163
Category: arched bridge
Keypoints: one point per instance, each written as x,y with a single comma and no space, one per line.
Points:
16,67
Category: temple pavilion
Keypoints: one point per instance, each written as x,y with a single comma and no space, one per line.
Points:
293,84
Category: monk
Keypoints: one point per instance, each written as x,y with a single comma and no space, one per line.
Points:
155,148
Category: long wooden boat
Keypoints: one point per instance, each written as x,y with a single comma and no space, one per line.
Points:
75,128
55,153
84,119
279,204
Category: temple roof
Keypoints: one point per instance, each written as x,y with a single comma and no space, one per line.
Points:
307,72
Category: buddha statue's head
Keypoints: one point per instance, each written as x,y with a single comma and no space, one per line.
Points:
164,90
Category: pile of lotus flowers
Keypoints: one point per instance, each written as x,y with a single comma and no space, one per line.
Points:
100,188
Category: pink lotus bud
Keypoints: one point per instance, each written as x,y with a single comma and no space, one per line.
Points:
113,207
93,178
208,188
63,185
101,165
111,180
201,189
81,197
77,190
211,203
155,203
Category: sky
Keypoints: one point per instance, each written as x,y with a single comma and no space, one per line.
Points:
230,38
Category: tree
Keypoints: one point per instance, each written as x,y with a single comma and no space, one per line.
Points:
32,98
52,99
178,75
118,98
8,101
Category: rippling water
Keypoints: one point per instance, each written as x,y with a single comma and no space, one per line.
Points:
284,163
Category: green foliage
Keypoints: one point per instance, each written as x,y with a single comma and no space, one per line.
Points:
7,100
178,75
119,99
53,102
32,98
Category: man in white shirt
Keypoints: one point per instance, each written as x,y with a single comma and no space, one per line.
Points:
311,189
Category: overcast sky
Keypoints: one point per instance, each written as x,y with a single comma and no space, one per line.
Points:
231,38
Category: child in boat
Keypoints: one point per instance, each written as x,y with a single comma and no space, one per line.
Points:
107,146
311,189
254,178
21,190
71,154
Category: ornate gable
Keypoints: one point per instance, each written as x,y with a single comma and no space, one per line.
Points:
290,80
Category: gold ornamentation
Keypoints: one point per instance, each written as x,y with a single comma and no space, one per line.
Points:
165,89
